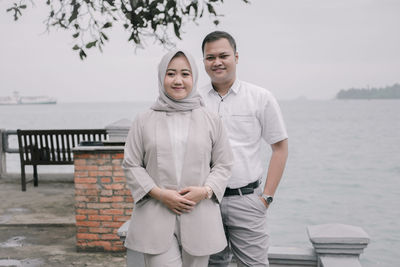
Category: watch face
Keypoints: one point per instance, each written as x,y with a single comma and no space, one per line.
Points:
269,200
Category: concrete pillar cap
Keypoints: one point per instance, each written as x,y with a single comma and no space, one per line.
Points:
120,124
118,131
336,233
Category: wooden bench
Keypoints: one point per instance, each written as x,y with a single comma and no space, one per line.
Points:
51,147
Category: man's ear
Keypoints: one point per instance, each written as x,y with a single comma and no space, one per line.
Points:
236,57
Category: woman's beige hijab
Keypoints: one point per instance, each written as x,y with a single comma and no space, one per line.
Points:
166,103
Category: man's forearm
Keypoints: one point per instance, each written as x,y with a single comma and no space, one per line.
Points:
276,166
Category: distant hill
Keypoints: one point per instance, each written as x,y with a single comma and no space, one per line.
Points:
388,92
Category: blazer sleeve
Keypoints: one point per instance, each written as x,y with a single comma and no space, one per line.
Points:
138,179
221,161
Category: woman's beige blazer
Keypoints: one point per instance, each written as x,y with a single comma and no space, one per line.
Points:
149,162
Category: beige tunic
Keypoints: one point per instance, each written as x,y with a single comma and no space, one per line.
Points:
148,162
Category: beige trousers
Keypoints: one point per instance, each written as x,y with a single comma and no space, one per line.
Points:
175,256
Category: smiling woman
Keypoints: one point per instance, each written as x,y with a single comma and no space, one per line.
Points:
177,162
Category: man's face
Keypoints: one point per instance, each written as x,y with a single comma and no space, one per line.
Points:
220,61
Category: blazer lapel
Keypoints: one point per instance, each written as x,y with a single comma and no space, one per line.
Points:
192,160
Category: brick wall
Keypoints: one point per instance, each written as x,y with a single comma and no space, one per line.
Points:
102,201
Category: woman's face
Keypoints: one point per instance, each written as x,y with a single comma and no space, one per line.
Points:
178,81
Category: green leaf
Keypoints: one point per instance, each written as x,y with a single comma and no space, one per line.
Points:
75,13
82,54
196,9
110,2
75,35
176,30
135,38
107,25
216,22
104,36
170,4
22,6
211,9
76,47
91,44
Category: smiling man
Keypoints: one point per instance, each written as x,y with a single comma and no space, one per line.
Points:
251,115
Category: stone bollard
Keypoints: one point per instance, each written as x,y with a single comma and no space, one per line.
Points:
338,245
118,131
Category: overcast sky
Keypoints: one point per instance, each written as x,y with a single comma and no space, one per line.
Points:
294,48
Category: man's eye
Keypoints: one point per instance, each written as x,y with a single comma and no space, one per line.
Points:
224,56
210,58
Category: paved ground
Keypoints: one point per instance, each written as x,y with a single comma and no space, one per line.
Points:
37,228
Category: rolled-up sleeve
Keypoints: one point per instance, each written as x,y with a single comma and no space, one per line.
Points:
138,179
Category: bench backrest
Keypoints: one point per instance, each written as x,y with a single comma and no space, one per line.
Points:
46,147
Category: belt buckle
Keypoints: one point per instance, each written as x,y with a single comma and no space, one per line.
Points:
240,192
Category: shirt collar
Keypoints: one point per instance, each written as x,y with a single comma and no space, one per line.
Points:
234,88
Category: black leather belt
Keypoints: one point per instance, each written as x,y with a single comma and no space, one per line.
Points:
247,189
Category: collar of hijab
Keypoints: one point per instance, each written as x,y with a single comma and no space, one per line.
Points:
166,103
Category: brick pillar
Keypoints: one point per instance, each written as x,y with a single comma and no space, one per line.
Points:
102,200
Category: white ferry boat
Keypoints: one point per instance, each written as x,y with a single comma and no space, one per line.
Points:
16,99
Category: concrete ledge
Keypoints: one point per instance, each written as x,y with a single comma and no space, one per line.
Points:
40,224
337,234
43,177
339,261
338,239
292,256
98,148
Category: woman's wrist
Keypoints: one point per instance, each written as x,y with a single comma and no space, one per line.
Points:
156,193
208,192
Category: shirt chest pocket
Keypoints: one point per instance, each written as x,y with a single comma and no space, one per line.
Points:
243,127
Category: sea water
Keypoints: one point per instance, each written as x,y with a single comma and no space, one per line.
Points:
343,165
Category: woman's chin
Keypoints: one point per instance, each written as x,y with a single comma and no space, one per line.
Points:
178,97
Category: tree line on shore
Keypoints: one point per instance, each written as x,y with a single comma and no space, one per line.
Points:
388,92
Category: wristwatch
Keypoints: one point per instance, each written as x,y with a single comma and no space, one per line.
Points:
267,198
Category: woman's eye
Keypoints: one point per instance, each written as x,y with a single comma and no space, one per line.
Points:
170,74
186,74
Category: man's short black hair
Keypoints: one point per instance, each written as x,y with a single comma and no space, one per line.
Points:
215,36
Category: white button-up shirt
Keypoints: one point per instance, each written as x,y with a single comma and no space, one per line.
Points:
250,114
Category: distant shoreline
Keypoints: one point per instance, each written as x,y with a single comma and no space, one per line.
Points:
388,92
